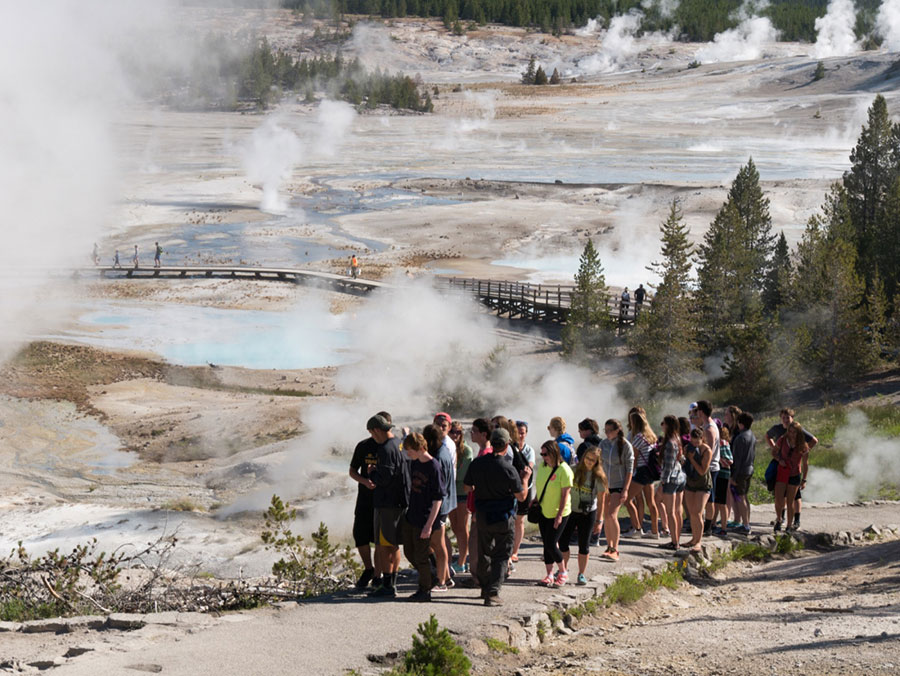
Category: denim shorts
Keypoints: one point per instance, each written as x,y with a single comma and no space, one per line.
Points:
671,489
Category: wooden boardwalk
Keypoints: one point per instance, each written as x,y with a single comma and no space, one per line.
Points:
345,283
538,302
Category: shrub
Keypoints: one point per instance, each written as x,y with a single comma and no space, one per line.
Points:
434,653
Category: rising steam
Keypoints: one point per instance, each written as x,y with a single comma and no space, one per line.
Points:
887,24
835,32
746,41
619,44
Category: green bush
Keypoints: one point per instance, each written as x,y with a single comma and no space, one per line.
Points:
433,653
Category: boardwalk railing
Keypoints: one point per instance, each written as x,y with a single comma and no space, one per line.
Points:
345,283
538,302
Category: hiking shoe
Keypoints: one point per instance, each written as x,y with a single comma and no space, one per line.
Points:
560,579
420,597
581,580
439,588
631,533
733,524
365,578
458,568
493,600
547,581
777,527
650,535
384,592
720,532
743,530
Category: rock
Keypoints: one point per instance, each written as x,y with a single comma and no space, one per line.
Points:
43,665
54,626
10,626
817,632
76,651
126,621
85,622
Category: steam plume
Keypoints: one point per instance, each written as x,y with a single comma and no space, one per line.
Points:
619,43
887,24
835,35
745,42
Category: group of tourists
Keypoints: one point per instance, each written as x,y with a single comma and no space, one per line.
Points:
417,487
135,259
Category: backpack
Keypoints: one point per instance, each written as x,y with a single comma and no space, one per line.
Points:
654,467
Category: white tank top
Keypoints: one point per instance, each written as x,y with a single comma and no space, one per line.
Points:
714,465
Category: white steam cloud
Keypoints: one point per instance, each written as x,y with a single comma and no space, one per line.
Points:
274,149
745,42
872,461
666,7
835,32
422,341
619,43
887,24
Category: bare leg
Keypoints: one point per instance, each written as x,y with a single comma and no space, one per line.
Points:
611,524
780,491
651,507
633,491
519,533
439,547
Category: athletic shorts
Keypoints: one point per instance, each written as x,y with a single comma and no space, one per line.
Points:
615,490
741,484
799,496
642,476
522,507
671,489
364,528
721,491
388,527
712,489
795,481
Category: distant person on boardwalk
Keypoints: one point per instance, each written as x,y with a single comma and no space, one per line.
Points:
96,255
116,263
626,301
156,254
639,294
497,486
354,266
134,259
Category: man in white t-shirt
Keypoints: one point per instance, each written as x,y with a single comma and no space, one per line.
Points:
711,438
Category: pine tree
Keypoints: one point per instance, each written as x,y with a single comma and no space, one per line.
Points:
887,245
778,281
540,77
664,338
589,330
751,371
528,75
554,78
753,207
874,168
877,317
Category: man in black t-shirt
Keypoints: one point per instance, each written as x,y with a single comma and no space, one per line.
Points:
390,476
365,454
497,486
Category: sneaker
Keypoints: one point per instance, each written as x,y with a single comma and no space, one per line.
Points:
720,532
493,600
384,592
733,524
611,555
457,568
595,539
560,579
420,597
439,588
581,580
650,535
511,568
796,521
743,530
451,583
631,533
365,578
547,581
777,527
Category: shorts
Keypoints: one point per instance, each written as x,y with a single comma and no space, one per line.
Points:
741,484
795,481
364,528
614,490
522,507
721,497
799,496
671,489
388,527
643,477
783,476
712,489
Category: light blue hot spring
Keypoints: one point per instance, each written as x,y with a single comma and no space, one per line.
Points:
190,335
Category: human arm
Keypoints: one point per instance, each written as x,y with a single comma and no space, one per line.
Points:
804,469
358,478
429,523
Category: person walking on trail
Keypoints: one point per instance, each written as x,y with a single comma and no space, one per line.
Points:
496,485
792,453
672,480
364,455
354,266
156,255
743,452
443,449
481,437
459,517
134,259
639,294
698,459
426,491
116,263
522,508
390,476
772,436
588,483
712,439
617,457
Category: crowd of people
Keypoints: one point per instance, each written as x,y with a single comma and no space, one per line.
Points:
691,476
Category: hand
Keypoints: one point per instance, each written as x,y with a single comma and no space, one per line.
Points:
405,431
557,521
425,534
368,484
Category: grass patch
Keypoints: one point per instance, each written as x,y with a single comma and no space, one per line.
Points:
17,610
498,646
182,505
626,589
541,630
785,544
745,551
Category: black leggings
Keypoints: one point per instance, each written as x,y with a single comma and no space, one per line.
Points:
550,536
585,525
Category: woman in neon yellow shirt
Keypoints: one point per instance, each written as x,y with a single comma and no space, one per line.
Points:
553,484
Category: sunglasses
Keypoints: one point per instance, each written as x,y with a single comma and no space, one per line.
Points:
544,455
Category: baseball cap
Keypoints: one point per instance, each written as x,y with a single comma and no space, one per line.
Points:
378,422
499,437
442,415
